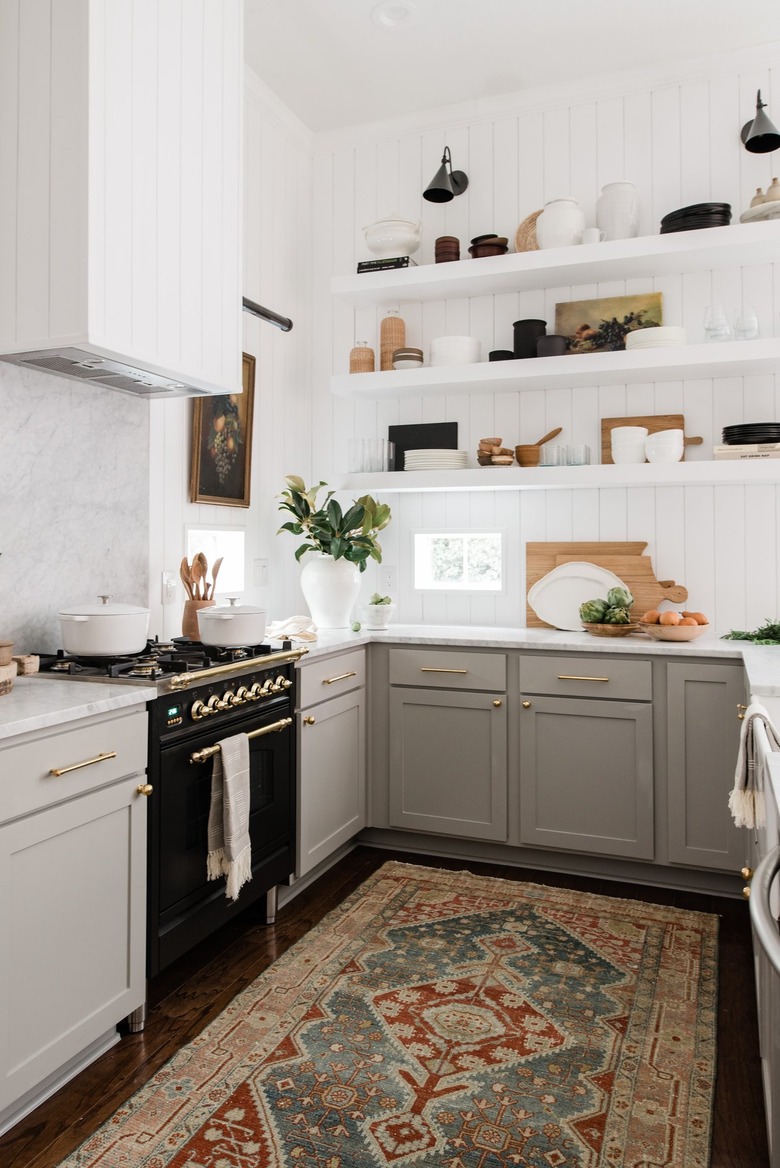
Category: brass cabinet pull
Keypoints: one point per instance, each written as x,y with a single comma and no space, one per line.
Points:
272,728
341,677
746,873
741,711
577,677
57,771
433,669
145,789
309,721
526,705
746,892
497,702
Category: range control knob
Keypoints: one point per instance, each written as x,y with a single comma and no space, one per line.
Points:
198,711
213,705
242,696
267,688
280,684
255,692
228,699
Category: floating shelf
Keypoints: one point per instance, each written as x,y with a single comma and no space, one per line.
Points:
724,472
620,259
728,359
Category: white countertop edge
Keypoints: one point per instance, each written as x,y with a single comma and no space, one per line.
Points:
35,703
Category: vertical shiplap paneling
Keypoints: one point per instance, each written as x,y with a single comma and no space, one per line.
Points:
665,192
506,187
213,210
343,338
725,123
142,179
731,558
33,170
9,145
584,159
231,286
610,149
483,181
695,140
761,542
555,146
699,574
116,245
638,155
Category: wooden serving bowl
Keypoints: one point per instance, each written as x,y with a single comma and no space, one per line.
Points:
604,630
528,455
673,632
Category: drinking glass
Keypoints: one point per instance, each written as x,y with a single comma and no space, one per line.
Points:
746,323
577,455
716,323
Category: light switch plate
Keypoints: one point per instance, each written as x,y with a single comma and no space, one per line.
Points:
168,587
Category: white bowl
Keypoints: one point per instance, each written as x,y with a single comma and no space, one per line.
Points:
392,237
407,363
619,433
627,455
659,455
666,437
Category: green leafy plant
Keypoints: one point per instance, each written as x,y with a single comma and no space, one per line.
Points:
767,634
377,599
327,528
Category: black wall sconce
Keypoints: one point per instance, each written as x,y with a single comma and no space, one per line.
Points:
446,183
759,135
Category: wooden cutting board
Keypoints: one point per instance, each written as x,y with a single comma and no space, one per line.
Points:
653,424
637,574
540,558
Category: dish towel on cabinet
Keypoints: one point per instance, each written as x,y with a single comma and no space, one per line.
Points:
229,846
746,801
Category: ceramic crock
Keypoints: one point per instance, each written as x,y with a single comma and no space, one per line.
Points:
392,237
617,210
330,588
560,224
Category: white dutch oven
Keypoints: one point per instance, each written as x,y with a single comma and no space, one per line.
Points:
104,630
231,625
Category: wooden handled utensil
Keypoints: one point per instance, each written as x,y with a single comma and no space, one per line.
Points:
214,572
547,437
199,569
185,576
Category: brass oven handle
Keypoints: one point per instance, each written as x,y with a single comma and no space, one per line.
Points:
57,771
577,677
184,680
272,728
433,669
341,677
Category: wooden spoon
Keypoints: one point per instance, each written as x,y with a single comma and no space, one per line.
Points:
547,437
199,569
214,572
185,575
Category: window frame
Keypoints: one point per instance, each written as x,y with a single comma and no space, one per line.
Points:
459,590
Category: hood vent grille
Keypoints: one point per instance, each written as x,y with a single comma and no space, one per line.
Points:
81,365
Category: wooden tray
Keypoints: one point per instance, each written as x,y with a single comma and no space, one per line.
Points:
638,575
540,558
653,423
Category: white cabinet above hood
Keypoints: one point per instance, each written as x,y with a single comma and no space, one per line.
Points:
120,205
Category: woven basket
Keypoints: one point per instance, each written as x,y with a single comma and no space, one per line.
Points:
525,236
392,336
362,360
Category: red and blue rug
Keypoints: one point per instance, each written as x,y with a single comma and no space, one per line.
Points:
445,1019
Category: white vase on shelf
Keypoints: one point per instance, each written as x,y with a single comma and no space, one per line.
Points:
560,224
617,210
330,588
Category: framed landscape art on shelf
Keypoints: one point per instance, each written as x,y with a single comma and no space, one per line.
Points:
222,444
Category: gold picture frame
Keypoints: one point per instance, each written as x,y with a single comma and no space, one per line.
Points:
222,444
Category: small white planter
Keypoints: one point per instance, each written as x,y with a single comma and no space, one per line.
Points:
377,616
330,588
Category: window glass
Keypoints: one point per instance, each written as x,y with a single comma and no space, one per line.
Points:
460,561
227,542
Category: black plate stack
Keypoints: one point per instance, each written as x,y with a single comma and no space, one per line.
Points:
696,216
751,433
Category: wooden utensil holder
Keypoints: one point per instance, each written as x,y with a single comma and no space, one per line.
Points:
189,620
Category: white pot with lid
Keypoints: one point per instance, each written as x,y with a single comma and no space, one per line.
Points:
104,630
232,625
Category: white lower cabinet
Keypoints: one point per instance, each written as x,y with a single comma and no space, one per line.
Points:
72,913
331,757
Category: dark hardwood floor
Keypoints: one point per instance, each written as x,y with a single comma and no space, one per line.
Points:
184,998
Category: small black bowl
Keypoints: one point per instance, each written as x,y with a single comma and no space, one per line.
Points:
501,355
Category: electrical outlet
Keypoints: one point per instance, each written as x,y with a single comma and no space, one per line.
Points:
168,588
261,573
387,579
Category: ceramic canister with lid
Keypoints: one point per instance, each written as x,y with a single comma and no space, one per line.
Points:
560,224
617,210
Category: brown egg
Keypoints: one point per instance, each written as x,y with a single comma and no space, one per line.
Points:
651,617
688,620
669,618
699,617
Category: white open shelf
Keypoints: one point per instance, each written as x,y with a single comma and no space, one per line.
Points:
621,259
575,370
724,472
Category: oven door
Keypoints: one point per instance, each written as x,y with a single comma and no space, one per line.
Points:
185,907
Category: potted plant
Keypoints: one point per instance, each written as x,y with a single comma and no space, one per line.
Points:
378,611
343,542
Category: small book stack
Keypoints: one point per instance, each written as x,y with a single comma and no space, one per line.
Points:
386,265
759,450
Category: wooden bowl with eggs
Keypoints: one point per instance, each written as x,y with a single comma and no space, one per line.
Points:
674,626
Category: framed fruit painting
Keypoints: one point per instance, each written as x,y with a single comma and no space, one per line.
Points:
593,326
222,444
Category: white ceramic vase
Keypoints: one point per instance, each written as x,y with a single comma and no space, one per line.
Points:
617,210
560,224
330,588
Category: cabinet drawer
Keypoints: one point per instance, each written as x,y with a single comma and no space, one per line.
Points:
28,784
582,676
320,680
447,670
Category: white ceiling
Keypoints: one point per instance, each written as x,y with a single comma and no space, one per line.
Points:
334,66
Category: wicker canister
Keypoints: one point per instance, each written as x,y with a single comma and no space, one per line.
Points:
361,358
392,336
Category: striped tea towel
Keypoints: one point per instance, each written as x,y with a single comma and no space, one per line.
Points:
746,801
229,847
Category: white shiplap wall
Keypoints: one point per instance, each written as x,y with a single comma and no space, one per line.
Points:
678,140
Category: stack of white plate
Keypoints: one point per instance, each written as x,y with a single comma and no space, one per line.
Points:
436,459
661,336
455,350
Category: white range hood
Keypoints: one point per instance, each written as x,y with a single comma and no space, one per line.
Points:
120,206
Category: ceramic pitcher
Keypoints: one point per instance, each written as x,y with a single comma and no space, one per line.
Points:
617,210
560,224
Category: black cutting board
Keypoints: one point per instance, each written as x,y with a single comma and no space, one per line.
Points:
422,436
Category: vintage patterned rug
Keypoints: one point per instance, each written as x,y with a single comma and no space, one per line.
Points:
444,1019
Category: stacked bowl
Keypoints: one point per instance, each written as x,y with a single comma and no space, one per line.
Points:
665,446
628,444
455,350
656,337
447,249
410,358
488,245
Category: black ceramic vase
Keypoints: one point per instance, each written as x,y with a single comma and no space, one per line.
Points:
526,334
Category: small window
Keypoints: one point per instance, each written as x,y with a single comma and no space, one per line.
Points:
227,542
451,561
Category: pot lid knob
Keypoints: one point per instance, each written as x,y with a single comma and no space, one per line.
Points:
105,599
232,600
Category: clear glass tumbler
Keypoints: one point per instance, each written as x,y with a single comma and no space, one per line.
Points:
746,323
716,323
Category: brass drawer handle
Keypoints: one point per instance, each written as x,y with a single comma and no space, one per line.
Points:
433,669
341,677
576,677
57,771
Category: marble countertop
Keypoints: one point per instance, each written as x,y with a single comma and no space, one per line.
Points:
36,702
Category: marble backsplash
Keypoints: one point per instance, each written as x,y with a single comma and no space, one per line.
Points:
74,501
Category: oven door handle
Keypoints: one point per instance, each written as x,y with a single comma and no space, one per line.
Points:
271,728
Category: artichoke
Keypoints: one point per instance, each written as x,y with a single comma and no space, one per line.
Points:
617,614
592,611
619,598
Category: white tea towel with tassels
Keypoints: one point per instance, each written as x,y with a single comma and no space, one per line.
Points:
295,628
746,801
230,850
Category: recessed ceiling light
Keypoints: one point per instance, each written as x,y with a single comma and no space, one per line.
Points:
395,14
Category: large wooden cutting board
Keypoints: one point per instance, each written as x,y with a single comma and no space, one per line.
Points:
540,558
653,423
637,574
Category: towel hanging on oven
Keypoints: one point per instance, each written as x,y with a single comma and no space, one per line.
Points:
229,846
746,801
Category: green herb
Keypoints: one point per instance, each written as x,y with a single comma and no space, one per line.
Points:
767,634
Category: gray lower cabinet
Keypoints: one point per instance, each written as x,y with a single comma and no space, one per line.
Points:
586,775
702,742
448,759
72,913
